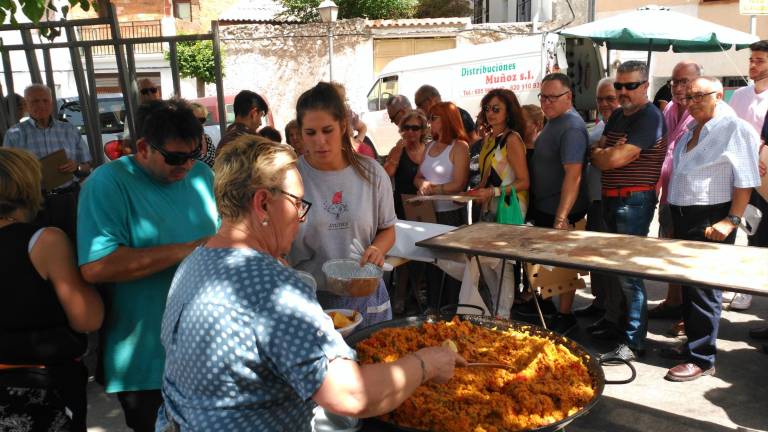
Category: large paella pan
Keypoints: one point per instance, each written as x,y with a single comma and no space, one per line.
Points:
436,408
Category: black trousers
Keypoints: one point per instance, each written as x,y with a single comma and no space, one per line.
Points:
445,292
701,306
140,408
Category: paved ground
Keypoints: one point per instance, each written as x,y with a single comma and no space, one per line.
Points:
733,400
735,397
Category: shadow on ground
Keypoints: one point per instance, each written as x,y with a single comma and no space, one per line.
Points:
616,415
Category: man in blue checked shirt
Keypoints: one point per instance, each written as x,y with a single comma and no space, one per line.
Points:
42,135
714,170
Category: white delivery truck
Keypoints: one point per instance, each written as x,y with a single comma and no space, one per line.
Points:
466,73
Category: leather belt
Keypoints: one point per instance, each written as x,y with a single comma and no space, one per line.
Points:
626,191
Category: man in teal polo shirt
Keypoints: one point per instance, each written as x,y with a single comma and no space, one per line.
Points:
138,217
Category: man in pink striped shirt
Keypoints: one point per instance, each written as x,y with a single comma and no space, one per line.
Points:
676,117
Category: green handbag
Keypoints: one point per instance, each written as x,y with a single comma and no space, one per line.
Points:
508,211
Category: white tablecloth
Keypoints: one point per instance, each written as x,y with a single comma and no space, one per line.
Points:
407,233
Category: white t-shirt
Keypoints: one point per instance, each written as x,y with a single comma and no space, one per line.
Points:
750,106
344,207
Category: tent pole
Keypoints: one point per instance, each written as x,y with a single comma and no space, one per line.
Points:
607,60
650,45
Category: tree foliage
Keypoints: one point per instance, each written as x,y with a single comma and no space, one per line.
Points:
306,10
443,8
196,60
36,9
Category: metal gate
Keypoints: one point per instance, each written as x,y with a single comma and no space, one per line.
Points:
83,50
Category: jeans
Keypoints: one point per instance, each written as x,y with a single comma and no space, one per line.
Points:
605,286
632,214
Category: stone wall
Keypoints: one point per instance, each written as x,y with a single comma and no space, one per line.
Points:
282,61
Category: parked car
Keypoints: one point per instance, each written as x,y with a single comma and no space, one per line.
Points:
111,121
114,136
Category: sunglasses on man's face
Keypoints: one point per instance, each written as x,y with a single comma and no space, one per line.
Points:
202,120
698,97
495,108
412,128
177,158
629,86
148,90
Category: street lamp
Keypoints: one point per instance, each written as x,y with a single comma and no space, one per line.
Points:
328,12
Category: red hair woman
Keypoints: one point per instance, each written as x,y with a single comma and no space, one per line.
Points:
445,168
445,171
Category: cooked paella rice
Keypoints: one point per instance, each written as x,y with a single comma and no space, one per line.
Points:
547,383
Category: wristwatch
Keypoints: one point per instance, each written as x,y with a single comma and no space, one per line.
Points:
735,220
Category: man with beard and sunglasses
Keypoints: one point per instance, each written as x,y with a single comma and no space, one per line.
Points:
139,216
630,155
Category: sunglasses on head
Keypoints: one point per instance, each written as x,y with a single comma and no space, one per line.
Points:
629,85
495,108
177,158
412,128
148,90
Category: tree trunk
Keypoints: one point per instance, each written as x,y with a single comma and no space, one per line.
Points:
200,88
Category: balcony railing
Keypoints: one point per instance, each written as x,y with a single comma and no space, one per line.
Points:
128,30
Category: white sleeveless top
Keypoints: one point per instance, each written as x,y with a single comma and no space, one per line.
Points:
439,170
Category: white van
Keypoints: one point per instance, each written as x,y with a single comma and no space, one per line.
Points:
465,74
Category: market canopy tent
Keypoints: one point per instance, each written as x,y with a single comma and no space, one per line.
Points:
653,28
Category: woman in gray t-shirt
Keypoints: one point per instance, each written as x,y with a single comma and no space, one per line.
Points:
353,199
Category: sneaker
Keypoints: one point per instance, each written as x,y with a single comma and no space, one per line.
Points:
562,323
623,352
741,302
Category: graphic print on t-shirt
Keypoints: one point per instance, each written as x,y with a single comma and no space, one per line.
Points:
339,209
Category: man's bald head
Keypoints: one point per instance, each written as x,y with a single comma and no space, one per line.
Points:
683,74
704,93
709,84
